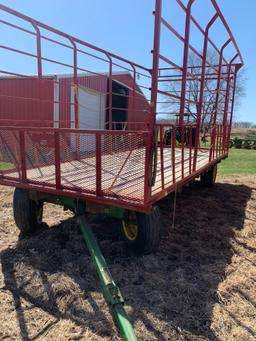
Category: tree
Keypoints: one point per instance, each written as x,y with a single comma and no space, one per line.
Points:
193,90
243,124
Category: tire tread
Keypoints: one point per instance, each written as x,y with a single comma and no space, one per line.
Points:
24,211
149,226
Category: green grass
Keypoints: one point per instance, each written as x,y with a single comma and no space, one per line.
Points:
5,165
239,162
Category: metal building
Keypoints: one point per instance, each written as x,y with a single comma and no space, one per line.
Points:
50,102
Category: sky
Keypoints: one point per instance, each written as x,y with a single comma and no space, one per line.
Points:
126,28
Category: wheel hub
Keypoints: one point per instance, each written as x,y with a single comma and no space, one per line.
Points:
130,226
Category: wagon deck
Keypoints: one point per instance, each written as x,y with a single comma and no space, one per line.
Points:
125,182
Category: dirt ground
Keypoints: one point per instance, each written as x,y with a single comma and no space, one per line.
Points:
200,285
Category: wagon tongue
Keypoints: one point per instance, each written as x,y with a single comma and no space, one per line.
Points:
111,291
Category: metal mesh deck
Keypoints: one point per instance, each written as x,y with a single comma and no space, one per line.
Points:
122,173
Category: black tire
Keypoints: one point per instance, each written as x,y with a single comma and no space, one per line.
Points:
27,213
147,237
208,179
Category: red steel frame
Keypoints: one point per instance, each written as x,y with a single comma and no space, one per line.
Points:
153,135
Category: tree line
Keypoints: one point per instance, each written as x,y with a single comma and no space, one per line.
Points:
243,124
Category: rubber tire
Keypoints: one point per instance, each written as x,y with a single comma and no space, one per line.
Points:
208,179
25,211
148,237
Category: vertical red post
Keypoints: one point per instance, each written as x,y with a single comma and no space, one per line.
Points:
57,159
216,147
155,64
39,49
173,153
162,156
182,150
76,94
98,164
233,103
133,100
226,108
202,85
220,139
213,139
216,105
110,94
110,102
153,102
185,62
76,98
148,169
190,148
23,156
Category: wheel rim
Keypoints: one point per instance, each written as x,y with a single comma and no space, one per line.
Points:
130,226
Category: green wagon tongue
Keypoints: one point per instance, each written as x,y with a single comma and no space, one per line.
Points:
111,292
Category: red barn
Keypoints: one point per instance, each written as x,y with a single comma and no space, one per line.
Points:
49,102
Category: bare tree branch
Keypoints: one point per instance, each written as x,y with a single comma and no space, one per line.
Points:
193,85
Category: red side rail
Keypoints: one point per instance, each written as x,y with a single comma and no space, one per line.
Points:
111,166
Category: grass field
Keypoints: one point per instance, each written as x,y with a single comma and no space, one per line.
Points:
5,165
239,162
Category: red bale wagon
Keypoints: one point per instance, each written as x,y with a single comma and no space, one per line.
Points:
114,142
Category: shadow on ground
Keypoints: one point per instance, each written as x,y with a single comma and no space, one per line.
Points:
172,292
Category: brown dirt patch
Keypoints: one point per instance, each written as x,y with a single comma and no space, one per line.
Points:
200,285
243,132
